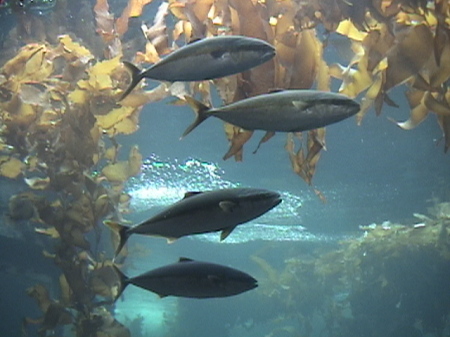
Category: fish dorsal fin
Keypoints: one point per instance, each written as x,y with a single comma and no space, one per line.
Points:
190,194
225,232
185,259
274,90
194,40
162,296
227,206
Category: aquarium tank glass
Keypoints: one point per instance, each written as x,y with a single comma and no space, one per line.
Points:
226,168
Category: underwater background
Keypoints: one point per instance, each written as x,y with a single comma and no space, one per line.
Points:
359,245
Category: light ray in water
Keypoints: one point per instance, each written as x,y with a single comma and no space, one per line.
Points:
164,181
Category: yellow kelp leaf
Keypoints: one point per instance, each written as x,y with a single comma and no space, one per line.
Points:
304,69
323,76
156,34
117,172
75,48
121,171
354,80
100,82
78,96
105,67
137,99
133,9
48,118
5,148
137,6
113,117
84,84
135,161
126,126
16,65
347,28
51,231
150,56
25,115
10,167
111,153
439,107
440,74
31,162
237,138
414,45
38,67
38,183
177,8
418,110
271,273
102,206
370,97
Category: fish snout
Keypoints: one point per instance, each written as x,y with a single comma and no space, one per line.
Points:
253,283
273,197
267,52
353,107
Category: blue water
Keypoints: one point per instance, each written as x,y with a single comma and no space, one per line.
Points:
370,174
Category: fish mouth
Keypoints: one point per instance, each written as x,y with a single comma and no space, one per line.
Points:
274,197
354,108
277,200
253,283
269,53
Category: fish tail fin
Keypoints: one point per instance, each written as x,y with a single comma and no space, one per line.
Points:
124,281
136,76
121,230
200,111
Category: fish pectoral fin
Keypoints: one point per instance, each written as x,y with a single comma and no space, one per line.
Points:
214,279
217,54
227,206
267,136
171,240
226,232
300,104
191,193
162,295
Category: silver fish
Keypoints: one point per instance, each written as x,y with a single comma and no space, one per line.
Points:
189,278
203,212
206,59
282,111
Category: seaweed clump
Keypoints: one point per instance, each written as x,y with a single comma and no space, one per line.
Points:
59,117
391,281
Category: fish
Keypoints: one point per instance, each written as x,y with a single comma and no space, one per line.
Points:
280,111
192,279
203,212
205,59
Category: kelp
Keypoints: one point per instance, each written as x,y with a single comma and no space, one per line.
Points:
58,108
60,118
376,281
